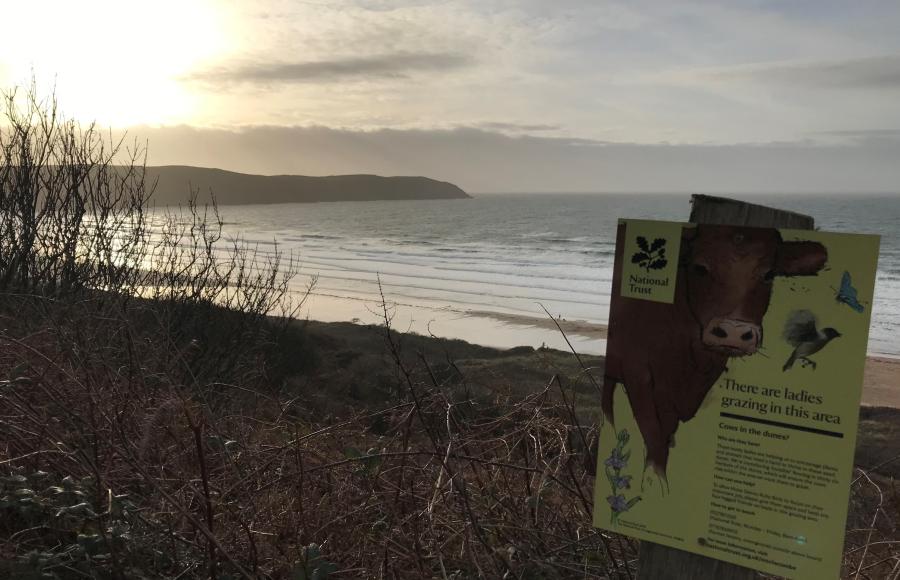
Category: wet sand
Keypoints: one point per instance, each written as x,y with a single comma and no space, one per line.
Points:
591,330
493,329
881,385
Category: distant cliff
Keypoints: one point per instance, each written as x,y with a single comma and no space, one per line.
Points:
232,188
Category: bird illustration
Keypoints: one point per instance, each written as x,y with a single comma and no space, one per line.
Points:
848,293
800,331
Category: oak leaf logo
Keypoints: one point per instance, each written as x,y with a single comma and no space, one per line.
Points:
651,256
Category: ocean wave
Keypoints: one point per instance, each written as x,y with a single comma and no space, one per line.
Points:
477,287
515,250
303,237
470,299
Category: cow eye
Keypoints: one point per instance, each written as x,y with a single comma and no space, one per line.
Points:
770,275
700,269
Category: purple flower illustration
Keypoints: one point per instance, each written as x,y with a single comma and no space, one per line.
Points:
616,460
622,481
618,503
615,463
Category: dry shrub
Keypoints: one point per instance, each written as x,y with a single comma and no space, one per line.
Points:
872,548
232,479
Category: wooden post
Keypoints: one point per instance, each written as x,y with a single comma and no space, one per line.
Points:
707,209
658,562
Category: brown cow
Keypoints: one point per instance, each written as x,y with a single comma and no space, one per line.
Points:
669,356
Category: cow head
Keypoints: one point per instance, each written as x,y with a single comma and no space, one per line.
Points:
728,273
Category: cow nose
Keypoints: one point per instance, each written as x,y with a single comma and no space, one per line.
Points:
735,337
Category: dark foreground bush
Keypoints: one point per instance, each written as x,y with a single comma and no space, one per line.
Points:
119,470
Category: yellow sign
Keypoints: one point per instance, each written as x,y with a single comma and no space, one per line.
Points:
731,408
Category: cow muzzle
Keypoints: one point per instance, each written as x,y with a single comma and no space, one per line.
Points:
734,337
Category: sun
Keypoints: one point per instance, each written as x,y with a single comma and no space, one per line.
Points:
117,62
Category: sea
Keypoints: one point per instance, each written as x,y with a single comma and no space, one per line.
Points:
514,256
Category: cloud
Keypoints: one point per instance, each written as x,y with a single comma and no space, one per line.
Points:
486,161
601,69
882,72
863,133
517,127
398,65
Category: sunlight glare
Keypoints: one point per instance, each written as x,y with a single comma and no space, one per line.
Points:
117,62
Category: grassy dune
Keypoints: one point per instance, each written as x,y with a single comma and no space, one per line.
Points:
139,449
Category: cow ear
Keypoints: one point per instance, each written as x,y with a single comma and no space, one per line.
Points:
800,258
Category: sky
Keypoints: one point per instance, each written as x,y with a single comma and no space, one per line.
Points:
494,95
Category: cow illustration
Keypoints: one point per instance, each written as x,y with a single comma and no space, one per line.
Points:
668,356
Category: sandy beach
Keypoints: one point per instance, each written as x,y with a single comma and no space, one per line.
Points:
493,329
881,386
581,328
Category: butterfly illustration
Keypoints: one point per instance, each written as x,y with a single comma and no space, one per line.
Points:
847,294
